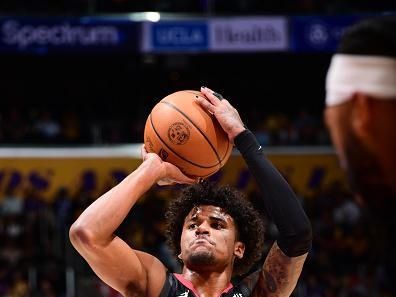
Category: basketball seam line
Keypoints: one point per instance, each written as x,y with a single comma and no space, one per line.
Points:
163,142
228,144
200,131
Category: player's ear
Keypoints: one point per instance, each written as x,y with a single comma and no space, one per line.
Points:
239,249
361,114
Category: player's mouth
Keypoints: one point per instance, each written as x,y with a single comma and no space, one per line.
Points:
202,240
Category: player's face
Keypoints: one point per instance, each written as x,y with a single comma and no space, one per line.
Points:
209,239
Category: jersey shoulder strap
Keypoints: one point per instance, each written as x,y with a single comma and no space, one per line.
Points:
173,287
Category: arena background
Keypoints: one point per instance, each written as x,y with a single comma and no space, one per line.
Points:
78,79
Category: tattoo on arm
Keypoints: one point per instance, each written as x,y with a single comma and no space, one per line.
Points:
270,282
275,268
280,273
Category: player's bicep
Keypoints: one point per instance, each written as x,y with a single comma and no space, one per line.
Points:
124,269
280,273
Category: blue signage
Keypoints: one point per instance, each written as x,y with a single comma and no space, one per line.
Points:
50,35
318,33
177,36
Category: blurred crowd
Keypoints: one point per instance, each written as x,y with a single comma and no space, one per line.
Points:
348,256
63,127
36,257
35,253
72,127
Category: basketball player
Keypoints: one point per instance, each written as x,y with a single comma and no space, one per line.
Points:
215,233
361,108
361,117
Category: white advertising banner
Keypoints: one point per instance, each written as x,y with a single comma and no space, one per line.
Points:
248,34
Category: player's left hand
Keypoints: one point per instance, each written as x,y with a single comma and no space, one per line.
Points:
227,116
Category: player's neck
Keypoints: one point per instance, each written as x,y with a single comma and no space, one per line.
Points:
208,283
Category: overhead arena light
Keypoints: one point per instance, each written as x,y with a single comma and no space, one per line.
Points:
151,16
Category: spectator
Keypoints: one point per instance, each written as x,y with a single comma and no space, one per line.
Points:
12,203
46,127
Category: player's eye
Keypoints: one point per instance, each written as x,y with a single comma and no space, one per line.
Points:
192,226
217,225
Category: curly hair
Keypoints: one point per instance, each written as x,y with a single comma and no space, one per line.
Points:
250,226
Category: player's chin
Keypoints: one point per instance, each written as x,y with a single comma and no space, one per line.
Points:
201,257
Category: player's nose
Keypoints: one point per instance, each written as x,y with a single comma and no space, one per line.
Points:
203,228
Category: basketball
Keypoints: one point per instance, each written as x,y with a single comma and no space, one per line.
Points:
181,132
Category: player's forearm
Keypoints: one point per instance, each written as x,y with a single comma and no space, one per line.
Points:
281,272
100,220
279,199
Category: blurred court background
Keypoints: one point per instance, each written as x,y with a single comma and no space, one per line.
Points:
77,81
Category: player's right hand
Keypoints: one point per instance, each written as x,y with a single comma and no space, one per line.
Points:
227,116
169,174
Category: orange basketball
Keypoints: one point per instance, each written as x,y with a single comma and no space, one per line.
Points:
181,132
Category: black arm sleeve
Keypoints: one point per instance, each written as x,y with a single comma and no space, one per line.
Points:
281,203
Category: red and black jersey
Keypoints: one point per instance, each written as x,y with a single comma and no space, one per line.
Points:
176,286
